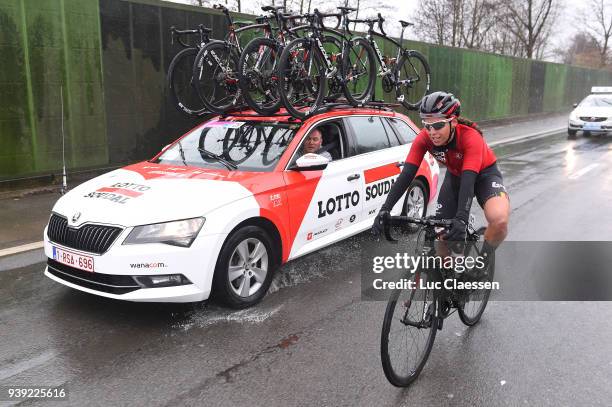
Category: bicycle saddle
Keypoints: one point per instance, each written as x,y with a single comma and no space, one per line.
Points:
347,9
405,23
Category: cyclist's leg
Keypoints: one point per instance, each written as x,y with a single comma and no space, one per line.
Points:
493,198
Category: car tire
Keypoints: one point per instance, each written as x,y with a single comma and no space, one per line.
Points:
571,134
235,282
415,203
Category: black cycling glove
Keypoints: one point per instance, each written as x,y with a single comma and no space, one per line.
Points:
381,219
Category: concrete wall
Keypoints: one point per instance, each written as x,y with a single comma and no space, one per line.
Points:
110,57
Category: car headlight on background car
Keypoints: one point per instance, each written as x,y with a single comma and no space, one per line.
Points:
574,120
177,233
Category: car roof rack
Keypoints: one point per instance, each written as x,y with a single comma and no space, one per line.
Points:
374,104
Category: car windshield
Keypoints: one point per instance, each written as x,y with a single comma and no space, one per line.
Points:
245,146
597,101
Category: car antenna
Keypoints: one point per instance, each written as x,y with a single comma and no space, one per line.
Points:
64,188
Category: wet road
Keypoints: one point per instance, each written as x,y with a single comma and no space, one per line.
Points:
312,340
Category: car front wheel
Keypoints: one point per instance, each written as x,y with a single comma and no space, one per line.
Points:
415,204
244,268
571,134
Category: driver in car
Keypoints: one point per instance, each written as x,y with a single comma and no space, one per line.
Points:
313,143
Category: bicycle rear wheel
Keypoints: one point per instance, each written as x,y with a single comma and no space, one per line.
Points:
358,71
408,332
413,78
471,309
301,76
215,75
258,79
180,83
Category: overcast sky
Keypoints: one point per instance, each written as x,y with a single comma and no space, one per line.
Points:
565,27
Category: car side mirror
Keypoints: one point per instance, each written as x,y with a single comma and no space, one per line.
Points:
575,105
310,162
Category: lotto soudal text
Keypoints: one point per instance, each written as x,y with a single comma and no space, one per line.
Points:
378,189
120,192
338,203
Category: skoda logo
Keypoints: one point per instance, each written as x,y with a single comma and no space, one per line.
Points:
76,217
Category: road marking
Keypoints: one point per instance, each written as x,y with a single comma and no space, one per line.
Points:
27,364
583,171
21,249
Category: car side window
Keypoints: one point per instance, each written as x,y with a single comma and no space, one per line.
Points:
369,133
405,132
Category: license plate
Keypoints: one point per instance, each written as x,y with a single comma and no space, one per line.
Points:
592,126
73,259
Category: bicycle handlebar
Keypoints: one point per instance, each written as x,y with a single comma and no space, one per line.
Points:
203,31
399,220
320,16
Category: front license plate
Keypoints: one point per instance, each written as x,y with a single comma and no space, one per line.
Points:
592,126
73,259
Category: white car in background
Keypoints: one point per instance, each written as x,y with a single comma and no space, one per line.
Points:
593,115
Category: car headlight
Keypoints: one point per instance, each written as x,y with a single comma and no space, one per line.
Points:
573,117
177,233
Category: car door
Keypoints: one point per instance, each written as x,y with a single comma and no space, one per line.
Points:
379,151
325,205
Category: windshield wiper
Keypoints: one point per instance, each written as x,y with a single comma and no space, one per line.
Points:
182,152
209,154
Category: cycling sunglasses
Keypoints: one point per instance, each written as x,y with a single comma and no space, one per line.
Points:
439,125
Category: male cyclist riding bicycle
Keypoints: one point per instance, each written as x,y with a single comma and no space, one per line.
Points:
471,166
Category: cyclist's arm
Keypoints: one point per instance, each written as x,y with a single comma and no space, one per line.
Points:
466,195
401,184
473,147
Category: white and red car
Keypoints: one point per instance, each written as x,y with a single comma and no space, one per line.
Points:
220,209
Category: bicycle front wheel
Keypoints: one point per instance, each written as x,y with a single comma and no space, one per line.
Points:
358,71
301,76
475,301
215,75
180,83
413,78
408,331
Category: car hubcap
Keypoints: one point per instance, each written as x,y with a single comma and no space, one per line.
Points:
248,267
415,203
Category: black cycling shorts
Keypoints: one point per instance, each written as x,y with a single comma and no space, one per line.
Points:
489,183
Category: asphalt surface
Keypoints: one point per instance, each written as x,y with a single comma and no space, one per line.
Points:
313,341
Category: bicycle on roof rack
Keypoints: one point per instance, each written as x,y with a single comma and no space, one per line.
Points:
259,59
215,69
408,73
180,72
305,67
414,315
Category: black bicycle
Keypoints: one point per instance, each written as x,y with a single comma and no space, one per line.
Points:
305,67
259,61
180,71
415,314
408,73
215,69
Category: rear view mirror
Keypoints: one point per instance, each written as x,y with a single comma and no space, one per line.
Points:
575,105
310,162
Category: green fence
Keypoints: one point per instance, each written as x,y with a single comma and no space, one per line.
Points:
110,57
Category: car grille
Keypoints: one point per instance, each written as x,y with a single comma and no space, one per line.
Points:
593,119
89,238
108,283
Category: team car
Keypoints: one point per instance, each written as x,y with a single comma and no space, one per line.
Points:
593,115
220,209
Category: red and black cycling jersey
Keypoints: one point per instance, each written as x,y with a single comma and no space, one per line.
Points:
468,151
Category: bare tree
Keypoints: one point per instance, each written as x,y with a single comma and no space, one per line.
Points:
599,27
530,22
431,21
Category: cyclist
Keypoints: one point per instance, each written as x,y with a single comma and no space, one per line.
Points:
471,166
